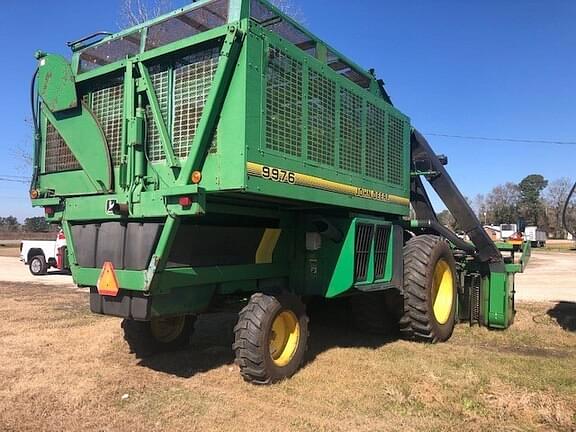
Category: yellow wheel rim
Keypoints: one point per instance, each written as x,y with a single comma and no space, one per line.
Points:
442,292
284,338
166,330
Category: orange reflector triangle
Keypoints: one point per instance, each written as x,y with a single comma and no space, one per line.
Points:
107,282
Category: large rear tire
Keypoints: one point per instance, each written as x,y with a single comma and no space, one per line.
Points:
429,290
158,335
271,338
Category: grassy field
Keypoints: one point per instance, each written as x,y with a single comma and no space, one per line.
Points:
62,368
559,246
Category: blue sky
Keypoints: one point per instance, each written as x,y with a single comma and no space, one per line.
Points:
489,68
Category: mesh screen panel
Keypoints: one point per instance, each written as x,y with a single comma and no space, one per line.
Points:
321,119
395,150
350,124
58,155
193,76
350,131
110,52
209,16
154,148
375,143
284,103
107,106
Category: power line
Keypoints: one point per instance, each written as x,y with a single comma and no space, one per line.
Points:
14,177
13,180
515,140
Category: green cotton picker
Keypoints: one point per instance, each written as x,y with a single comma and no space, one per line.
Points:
224,155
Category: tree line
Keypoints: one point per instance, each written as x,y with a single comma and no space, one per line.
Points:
31,224
535,201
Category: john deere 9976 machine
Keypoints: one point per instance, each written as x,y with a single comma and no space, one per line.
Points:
223,154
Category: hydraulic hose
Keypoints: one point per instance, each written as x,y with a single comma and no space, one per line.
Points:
34,107
445,232
565,210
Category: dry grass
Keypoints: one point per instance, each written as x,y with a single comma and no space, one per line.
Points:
559,246
9,250
62,368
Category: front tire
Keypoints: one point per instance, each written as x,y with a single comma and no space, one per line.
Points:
158,335
271,338
429,290
38,265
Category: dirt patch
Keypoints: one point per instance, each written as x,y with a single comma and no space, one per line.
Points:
62,368
549,276
9,251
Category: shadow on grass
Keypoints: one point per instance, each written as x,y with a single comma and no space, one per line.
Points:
211,344
565,315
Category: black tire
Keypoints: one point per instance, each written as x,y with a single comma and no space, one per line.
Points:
423,255
254,337
377,312
38,265
144,337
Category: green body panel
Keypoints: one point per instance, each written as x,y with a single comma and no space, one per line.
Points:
499,300
56,84
342,276
78,127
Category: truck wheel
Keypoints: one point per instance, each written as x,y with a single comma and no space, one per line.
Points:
429,290
377,312
38,265
159,334
270,338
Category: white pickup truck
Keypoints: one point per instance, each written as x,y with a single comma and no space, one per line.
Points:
40,255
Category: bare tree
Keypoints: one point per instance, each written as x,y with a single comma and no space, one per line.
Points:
290,8
134,12
22,152
555,196
479,207
502,204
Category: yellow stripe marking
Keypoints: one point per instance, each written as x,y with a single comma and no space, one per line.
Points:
267,246
305,180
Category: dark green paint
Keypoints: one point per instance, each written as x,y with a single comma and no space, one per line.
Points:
55,83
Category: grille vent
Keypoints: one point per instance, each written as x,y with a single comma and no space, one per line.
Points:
364,235
380,251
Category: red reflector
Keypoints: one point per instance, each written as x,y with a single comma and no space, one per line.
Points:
185,201
107,282
49,211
